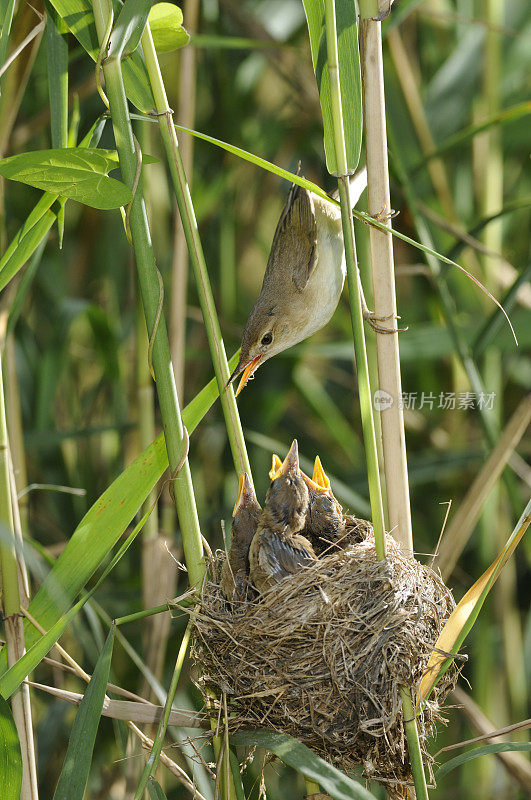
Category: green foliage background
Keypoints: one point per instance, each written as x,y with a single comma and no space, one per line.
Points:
73,325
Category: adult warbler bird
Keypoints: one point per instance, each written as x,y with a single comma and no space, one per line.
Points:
303,279
278,549
245,515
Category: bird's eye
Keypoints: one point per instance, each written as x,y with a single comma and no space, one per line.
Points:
267,338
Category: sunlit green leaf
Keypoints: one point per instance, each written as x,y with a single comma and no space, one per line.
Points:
165,21
75,173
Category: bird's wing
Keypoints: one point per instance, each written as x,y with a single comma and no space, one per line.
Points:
279,557
295,241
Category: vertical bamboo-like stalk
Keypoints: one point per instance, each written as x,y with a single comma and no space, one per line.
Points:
179,282
362,366
206,299
13,621
150,288
383,278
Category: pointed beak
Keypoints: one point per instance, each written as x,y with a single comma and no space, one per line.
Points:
290,463
275,466
319,477
247,370
245,493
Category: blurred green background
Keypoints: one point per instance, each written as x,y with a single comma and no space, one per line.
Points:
73,356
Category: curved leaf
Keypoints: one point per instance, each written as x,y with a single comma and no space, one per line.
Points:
301,758
486,750
165,21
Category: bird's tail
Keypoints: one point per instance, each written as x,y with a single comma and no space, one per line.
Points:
358,182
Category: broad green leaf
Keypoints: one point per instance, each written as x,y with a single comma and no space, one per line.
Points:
297,755
10,757
155,790
78,15
74,774
349,77
486,750
129,27
39,221
75,173
165,21
104,523
466,612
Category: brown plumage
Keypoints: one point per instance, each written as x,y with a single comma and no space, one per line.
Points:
244,524
324,527
278,549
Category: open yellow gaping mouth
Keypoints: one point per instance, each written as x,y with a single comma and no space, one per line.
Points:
248,372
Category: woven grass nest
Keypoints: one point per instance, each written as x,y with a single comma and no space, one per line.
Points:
323,656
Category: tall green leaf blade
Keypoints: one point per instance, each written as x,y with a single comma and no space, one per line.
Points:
301,758
75,772
129,27
349,77
75,173
10,756
105,522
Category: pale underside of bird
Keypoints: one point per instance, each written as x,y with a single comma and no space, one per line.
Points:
303,280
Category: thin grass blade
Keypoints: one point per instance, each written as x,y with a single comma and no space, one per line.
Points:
486,750
10,757
74,775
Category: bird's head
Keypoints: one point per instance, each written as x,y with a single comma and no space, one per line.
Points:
287,497
266,333
246,509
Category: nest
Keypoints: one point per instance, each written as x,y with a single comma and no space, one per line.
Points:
323,657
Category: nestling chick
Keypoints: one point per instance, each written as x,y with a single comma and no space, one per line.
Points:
277,548
325,527
303,279
245,515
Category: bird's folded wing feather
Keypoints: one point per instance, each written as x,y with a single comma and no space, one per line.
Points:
280,557
295,241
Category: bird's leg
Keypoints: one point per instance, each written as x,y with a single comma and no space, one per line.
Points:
370,316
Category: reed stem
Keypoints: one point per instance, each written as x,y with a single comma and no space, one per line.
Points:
150,288
360,350
195,249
